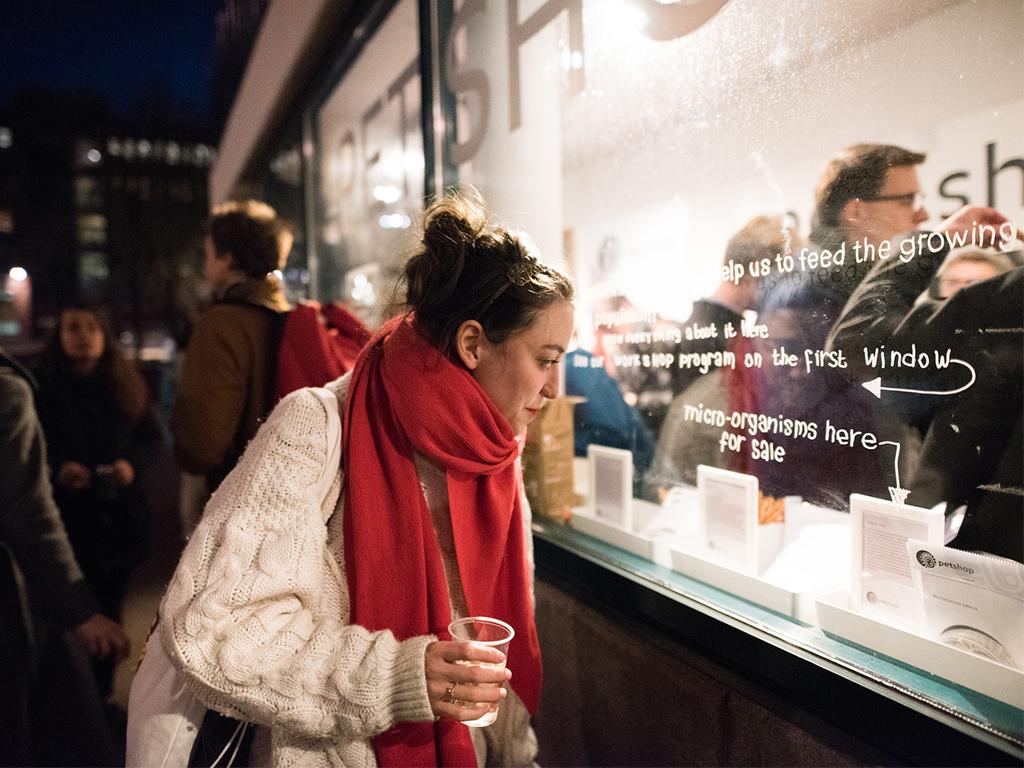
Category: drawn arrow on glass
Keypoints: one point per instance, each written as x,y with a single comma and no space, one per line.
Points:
897,494
875,385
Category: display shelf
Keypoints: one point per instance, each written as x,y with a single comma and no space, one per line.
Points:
797,604
650,539
966,669
976,715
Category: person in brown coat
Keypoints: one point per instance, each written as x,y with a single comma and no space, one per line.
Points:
230,364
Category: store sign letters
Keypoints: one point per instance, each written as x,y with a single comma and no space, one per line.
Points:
665,21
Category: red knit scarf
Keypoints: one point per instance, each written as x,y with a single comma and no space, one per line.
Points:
405,397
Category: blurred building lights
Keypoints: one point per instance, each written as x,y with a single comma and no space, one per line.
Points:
15,303
93,156
6,137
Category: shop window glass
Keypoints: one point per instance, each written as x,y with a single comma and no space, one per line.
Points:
735,186
635,140
280,183
370,166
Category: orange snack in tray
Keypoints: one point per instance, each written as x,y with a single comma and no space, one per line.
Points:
770,509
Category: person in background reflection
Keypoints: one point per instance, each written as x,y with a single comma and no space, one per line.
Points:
228,375
94,409
967,266
972,457
761,238
683,445
868,196
604,418
46,696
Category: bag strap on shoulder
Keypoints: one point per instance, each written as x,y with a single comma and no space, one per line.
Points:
330,403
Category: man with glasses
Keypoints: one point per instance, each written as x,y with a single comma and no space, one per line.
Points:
970,461
868,194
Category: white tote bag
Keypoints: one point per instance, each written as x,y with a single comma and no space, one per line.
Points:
164,715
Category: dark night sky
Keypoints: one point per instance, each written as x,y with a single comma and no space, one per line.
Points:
116,48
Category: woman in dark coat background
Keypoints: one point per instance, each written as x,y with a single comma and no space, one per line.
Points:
92,402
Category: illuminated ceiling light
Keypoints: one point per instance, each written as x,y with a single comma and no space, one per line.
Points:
18,274
93,156
6,138
413,161
331,234
780,56
621,15
394,221
571,59
387,193
364,294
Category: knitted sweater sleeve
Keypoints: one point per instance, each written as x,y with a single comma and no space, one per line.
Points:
242,618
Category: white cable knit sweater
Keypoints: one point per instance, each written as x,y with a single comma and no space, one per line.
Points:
257,612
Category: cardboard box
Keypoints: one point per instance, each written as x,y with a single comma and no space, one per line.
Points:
547,460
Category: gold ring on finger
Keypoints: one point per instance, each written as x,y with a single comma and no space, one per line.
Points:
449,693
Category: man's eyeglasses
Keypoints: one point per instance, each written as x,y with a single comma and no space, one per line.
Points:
913,199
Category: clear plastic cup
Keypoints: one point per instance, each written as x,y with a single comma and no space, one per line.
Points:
493,633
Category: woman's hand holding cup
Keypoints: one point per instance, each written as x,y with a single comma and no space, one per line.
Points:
465,680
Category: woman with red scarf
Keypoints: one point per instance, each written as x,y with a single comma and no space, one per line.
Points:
331,637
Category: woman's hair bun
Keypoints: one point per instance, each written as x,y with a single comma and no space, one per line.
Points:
469,269
450,230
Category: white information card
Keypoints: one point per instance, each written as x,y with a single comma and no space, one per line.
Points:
882,582
611,485
728,517
972,601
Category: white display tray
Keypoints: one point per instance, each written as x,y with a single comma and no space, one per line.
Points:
647,517
792,592
975,672
798,605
